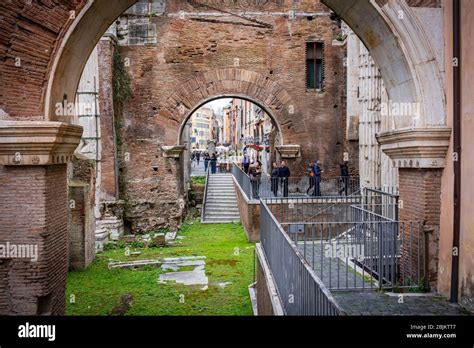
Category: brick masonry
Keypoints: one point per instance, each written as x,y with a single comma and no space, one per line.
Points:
81,217
29,35
41,192
420,195
193,61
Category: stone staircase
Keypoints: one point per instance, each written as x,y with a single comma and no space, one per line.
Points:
221,200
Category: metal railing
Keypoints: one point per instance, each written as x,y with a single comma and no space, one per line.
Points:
242,179
203,210
355,242
381,203
299,288
267,187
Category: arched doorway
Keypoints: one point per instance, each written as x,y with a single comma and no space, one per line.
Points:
399,47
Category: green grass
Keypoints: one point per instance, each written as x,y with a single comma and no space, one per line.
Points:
97,290
198,180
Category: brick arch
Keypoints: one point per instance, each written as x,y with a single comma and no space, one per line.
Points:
227,83
399,47
403,52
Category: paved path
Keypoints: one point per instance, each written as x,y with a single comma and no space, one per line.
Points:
371,302
197,170
334,272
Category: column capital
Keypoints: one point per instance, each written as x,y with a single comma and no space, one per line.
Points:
174,151
289,151
416,148
37,142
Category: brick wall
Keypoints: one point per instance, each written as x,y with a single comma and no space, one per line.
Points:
33,211
189,47
28,39
420,195
81,217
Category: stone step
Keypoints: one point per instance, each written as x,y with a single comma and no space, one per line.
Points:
217,204
217,221
220,194
222,210
223,191
222,217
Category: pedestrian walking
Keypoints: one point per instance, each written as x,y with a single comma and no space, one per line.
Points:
344,177
246,164
198,158
274,179
213,163
284,175
206,161
312,179
255,173
317,175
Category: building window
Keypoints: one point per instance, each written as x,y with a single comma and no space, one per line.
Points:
314,65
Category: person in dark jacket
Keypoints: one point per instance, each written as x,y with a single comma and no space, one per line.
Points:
246,164
317,176
206,161
274,179
255,173
198,158
213,163
344,177
312,179
284,175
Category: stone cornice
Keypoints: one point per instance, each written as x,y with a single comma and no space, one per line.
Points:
416,148
174,151
289,151
37,142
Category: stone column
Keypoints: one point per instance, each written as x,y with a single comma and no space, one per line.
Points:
108,152
419,155
34,215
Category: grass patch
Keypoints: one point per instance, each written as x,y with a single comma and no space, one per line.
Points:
229,258
198,180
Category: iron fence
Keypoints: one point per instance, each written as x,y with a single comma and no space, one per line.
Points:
267,187
355,242
242,179
300,290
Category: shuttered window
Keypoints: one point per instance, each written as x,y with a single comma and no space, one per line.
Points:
314,65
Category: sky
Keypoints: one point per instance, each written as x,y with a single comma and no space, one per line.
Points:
219,104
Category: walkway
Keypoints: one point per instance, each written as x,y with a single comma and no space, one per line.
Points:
376,303
197,170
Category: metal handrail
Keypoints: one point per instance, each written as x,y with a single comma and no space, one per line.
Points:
313,303
205,195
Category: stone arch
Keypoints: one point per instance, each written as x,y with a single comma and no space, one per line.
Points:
227,83
234,95
399,45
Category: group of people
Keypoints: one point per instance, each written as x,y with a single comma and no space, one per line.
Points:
281,173
315,172
208,160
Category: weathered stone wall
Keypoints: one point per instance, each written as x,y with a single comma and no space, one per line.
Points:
29,33
33,211
194,45
81,228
